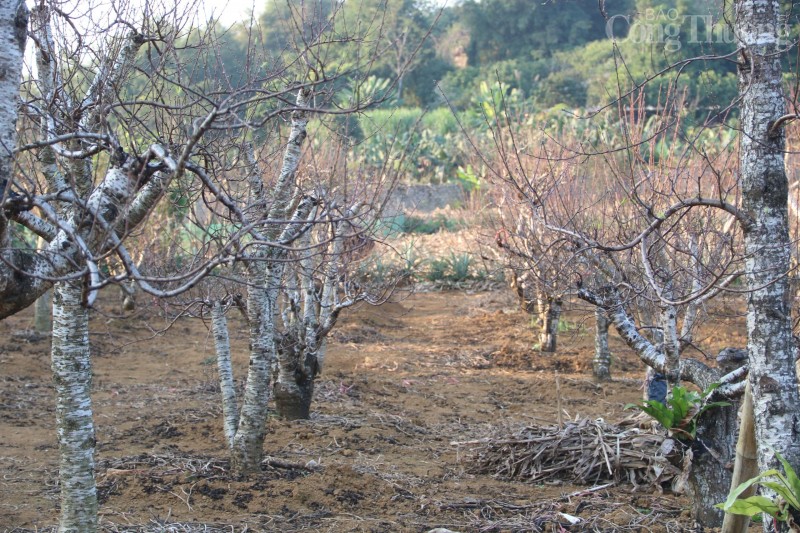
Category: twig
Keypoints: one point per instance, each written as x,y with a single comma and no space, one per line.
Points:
587,491
287,465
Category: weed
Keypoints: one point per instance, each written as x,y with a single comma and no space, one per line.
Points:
468,178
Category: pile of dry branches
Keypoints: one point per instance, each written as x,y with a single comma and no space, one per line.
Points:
582,451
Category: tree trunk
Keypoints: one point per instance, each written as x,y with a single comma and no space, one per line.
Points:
14,27
72,376
127,295
43,309
230,411
764,191
656,386
248,443
293,397
601,364
294,385
550,313
713,451
520,285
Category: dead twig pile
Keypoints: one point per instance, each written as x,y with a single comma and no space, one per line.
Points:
583,451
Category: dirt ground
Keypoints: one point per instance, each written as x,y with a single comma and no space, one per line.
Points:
403,383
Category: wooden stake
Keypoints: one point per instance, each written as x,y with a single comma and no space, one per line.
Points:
558,403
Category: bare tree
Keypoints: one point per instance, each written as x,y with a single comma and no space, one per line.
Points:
296,291
79,225
289,230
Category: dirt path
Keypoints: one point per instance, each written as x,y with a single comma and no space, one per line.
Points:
401,384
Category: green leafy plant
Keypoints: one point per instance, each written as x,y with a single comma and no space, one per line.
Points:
681,412
459,264
782,507
410,224
454,268
437,271
566,326
411,262
469,178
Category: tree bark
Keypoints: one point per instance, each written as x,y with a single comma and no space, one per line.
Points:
13,28
601,364
230,411
550,313
764,190
298,367
248,443
713,452
43,309
713,449
72,376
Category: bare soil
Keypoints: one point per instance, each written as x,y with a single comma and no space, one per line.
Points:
402,385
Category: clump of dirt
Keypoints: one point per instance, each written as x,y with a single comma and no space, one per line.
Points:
401,384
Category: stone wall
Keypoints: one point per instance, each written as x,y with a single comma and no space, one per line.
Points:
424,198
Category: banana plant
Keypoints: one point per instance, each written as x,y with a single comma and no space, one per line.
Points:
783,507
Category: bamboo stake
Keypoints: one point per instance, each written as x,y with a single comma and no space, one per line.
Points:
746,465
558,403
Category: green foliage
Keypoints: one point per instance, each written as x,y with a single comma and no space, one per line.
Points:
566,87
454,268
360,93
426,226
437,270
468,178
506,29
490,102
681,412
411,262
380,271
565,326
460,264
440,122
786,501
420,146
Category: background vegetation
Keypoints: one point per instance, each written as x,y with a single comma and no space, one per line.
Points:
550,63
